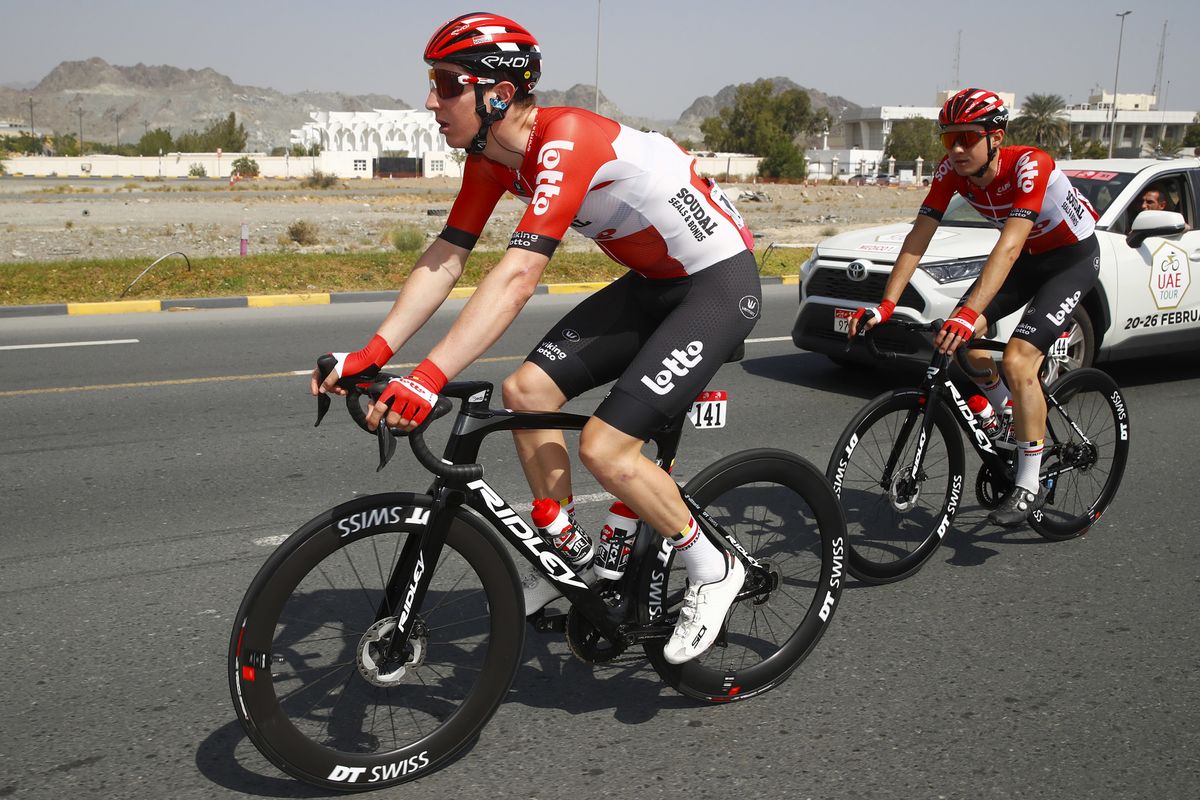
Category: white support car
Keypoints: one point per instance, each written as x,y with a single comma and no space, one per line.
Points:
1142,304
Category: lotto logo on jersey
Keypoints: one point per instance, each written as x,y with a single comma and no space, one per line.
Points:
549,180
1027,172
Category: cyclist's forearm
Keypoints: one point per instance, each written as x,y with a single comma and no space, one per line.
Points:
999,264
492,308
915,244
428,285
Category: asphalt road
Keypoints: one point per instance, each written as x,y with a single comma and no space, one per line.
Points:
140,479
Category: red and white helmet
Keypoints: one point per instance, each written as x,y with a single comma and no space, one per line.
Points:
974,107
489,45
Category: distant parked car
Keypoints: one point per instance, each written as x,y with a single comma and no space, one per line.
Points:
861,180
1142,304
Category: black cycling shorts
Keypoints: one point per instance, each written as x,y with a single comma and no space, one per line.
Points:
1052,283
661,340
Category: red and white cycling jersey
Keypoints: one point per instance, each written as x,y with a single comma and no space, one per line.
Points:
1027,185
636,194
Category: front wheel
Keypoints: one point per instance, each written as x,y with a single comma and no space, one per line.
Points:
307,659
894,521
1087,445
783,513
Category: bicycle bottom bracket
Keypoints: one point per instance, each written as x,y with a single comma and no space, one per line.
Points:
991,489
586,641
904,492
371,654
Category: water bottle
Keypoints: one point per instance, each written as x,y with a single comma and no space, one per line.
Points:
556,526
616,540
985,415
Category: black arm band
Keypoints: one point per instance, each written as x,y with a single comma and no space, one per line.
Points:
927,211
458,237
533,242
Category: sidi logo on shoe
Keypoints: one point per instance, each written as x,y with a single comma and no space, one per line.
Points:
678,365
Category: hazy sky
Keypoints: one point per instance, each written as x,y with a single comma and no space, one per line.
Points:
656,57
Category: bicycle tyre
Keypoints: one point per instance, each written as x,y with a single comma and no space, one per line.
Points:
1094,401
296,674
890,531
800,535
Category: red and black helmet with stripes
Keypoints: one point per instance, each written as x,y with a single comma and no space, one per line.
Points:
974,107
488,45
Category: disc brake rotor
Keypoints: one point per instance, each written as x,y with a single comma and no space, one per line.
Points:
372,649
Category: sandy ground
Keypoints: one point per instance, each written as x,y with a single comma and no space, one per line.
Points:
50,219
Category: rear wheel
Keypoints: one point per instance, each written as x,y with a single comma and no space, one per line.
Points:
782,511
307,669
894,522
1087,445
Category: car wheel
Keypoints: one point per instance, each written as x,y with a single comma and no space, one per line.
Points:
1074,349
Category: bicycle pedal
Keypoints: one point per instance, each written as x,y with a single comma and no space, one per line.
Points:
548,623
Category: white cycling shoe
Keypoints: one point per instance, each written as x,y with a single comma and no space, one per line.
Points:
703,613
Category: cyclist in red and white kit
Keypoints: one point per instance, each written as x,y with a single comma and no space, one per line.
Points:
660,331
1047,256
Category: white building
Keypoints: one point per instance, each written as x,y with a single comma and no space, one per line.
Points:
377,133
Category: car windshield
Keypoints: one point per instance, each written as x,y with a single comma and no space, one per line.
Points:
1100,188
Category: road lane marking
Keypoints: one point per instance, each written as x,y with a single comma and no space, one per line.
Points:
265,375
66,344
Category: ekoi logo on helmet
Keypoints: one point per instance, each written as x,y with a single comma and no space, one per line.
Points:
549,180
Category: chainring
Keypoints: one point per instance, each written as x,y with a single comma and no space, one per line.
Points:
991,490
587,643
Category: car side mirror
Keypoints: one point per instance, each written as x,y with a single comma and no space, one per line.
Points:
1154,223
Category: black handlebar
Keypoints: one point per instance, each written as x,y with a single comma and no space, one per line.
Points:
372,384
868,338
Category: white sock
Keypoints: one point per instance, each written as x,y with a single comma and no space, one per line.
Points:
705,563
997,394
1029,463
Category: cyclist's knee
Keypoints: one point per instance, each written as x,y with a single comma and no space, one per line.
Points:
608,453
1021,360
531,389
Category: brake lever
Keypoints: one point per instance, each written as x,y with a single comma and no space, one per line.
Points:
387,443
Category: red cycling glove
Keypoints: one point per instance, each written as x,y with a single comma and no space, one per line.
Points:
366,362
962,324
413,397
881,312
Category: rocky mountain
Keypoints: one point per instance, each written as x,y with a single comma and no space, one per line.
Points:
115,103
118,104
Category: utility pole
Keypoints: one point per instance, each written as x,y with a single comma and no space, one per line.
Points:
80,110
31,133
596,101
1112,128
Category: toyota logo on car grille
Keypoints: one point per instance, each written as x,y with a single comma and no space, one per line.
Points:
857,270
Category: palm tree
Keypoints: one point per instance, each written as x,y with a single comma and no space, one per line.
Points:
1042,121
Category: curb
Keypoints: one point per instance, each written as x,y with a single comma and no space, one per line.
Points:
277,300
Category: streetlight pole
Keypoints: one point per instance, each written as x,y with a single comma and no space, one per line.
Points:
80,110
596,102
31,133
1112,128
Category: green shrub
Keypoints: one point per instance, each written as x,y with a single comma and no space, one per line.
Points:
406,238
303,232
197,171
246,167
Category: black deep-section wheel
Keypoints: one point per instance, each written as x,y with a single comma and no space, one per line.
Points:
1083,472
306,659
894,523
782,511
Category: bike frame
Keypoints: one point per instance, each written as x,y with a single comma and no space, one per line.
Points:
938,388
476,420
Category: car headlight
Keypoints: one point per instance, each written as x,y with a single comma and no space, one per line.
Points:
948,271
